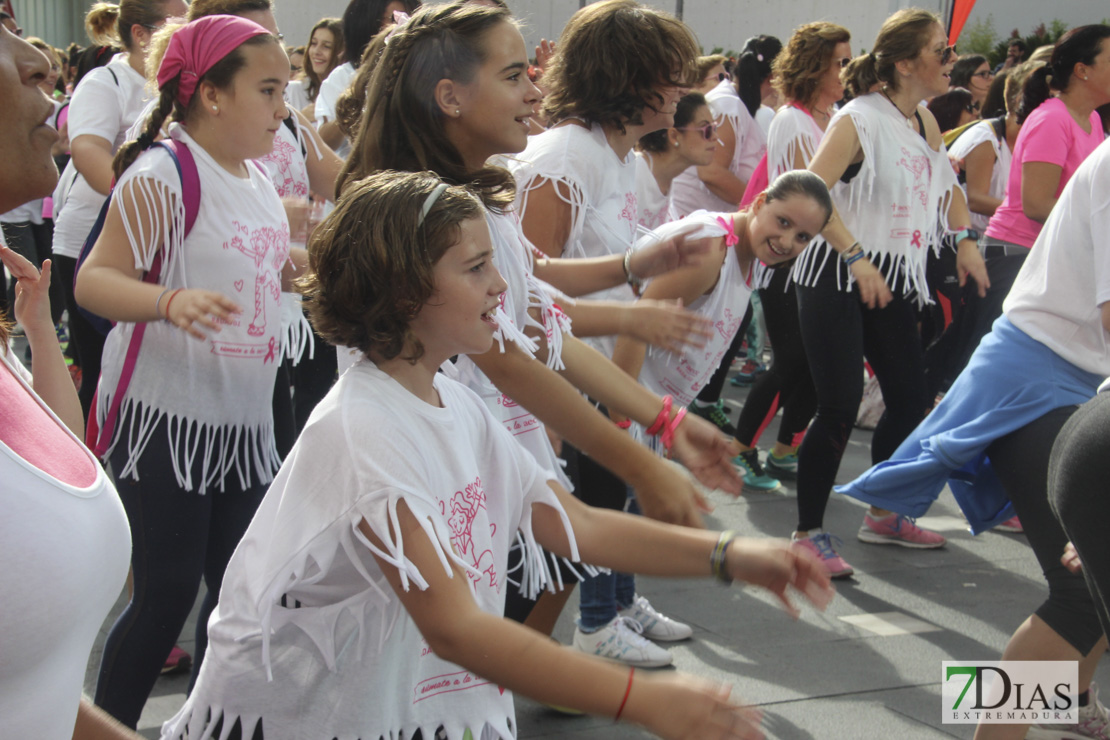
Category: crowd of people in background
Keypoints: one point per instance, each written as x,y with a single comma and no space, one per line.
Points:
395,339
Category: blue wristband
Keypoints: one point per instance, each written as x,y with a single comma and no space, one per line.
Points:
854,258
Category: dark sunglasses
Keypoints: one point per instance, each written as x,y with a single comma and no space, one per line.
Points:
843,61
722,76
707,130
972,108
946,54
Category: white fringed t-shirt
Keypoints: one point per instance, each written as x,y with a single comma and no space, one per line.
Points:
308,636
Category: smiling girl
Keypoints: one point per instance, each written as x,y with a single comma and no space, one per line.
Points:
193,448
365,600
778,225
324,54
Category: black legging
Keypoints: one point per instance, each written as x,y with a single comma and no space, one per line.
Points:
711,391
788,379
178,537
839,332
82,335
1077,473
1021,462
312,378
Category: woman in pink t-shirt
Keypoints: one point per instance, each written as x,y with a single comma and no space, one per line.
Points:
1059,128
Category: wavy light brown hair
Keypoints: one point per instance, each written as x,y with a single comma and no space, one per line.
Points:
335,26
800,67
402,126
372,261
611,59
903,36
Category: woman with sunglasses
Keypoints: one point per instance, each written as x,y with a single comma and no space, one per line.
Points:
105,105
953,109
666,153
860,283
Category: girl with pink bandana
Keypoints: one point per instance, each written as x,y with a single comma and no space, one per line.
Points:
193,445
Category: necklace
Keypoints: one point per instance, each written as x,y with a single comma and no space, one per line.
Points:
908,119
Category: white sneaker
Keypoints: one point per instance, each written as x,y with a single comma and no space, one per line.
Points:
653,625
621,640
1093,723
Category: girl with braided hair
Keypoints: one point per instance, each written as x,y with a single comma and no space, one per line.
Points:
193,442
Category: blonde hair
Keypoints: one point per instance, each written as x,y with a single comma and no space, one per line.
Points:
704,64
109,24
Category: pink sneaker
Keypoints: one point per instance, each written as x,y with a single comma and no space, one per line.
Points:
820,544
178,661
896,529
1011,525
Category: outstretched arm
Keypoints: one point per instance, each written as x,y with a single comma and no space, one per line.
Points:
506,653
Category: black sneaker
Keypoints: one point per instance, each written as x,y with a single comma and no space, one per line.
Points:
716,414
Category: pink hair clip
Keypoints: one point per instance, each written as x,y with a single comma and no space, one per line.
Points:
400,20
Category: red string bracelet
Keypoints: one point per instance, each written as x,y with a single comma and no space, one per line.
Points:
172,296
660,422
627,691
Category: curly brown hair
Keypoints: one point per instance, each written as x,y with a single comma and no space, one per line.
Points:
798,70
400,126
611,60
371,262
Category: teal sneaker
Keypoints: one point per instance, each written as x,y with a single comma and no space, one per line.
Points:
783,468
754,477
716,415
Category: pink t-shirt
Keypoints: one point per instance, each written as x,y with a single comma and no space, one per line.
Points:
1050,134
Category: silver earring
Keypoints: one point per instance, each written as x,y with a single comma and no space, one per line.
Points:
457,112
216,108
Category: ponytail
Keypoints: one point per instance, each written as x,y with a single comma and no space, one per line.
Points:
1035,91
129,152
860,75
102,24
753,68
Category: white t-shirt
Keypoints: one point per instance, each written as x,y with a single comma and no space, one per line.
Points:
106,104
602,192
688,192
308,635
894,206
1057,296
512,258
330,90
683,375
65,551
969,140
216,393
763,117
296,94
655,208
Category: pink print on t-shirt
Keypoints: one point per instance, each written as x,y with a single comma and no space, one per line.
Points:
281,161
465,508
269,248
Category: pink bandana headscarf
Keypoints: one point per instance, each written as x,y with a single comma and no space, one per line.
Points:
196,47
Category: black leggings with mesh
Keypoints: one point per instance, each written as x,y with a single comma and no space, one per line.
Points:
838,332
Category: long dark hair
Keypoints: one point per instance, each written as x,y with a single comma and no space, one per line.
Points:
1078,46
361,22
753,67
688,105
401,127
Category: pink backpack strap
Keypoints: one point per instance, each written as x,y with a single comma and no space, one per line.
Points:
99,438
